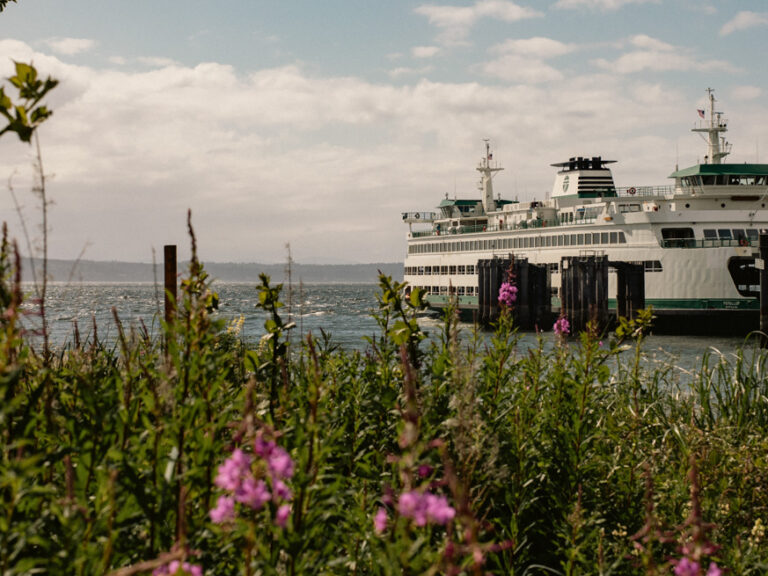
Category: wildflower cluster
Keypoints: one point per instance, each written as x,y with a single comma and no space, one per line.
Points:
177,567
425,508
561,326
507,294
255,482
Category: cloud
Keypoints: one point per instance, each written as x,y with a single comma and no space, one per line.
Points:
523,60
651,54
425,51
406,71
745,93
537,47
70,46
324,162
455,22
743,21
600,4
156,62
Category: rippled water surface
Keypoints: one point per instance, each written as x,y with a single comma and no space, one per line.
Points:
343,311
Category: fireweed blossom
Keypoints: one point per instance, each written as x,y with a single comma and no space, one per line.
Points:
687,567
425,508
176,567
561,326
507,294
255,482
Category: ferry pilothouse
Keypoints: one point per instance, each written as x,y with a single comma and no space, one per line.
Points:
696,239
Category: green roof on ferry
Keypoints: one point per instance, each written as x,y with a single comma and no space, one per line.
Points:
454,202
722,169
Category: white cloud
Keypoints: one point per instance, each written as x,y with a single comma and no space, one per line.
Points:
523,60
70,46
600,4
326,163
521,70
651,54
743,21
404,71
455,22
425,51
537,47
745,93
156,62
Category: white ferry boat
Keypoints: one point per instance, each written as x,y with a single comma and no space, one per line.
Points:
696,239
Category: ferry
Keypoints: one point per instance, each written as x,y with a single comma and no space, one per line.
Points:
696,238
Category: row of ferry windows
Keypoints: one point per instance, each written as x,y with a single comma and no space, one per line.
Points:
444,290
437,270
649,265
725,180
580,239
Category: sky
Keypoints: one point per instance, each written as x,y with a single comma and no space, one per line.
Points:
314,123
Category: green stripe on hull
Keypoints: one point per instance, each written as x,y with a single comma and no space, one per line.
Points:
659,304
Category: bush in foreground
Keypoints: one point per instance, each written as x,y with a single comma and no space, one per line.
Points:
191,453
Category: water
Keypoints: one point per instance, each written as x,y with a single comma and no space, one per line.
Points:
343,311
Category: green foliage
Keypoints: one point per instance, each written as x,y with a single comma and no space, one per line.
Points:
572,457
28,112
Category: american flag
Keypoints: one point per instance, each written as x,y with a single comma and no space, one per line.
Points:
701,113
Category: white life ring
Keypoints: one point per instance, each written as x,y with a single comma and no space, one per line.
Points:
631,191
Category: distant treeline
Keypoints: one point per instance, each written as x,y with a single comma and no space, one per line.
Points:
97,271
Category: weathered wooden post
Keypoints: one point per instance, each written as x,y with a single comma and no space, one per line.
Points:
760,265
169,259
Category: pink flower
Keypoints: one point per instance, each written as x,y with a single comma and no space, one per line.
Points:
438,509
687,567
714,570
280,463
263,448
281,516
562,327
281,490
253,493
176,567
425,508
234,469
225,510
507,294
380,521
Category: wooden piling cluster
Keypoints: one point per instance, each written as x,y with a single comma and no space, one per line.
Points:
533,307
584,290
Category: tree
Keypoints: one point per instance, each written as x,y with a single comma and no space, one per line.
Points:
3,3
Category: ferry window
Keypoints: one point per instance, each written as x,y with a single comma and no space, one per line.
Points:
752,234
462,270
760,180
537,241
471,269
708,180
548,241
580,239
420,271
566,239
724,233
733,180
443,269
560,240
622,238
652,266
604,238
573,239
460,291
452,270
443,290
614,237
588,238
738,234
710,234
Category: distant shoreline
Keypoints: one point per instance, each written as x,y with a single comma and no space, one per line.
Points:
101,272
